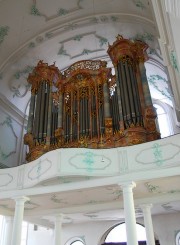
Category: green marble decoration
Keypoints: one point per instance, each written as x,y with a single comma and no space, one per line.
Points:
118,194
152,51
30,205
3,32
95,20
71,26
35,11
102,40
25,71
86,52
89,160
32,45
57,200
62,51
114,18
158,156
62,12
104,18
78,38
139,4
154,79
152,188
174,61
16,90
49,35
5,152
145,37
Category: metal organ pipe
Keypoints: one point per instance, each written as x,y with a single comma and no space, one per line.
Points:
60,111
31,114
42,111
49,115
37,114
46,105
136,98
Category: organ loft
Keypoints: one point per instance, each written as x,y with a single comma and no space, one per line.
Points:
87,106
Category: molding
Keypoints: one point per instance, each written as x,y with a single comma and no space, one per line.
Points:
160,154
118,204
87,160
159,20
8,178
161,160
173,7
3,149
155,173
70,25
3,32
60,13
10,109
39,169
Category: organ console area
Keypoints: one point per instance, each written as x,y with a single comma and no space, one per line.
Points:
87,106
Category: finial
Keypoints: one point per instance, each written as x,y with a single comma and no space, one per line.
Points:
119,37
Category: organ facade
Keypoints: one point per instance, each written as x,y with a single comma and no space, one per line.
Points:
87,106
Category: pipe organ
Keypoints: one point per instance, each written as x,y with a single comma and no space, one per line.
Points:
87,106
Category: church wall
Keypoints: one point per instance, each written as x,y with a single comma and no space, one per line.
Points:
40,236
165,228
11,132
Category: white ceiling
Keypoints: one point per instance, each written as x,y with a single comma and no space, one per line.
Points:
98,203
65,32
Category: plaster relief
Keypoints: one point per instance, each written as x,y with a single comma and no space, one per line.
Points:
39,169
159,154
5,179
90,161
9,144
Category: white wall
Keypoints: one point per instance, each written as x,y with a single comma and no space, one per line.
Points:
165,228
11,133
41,236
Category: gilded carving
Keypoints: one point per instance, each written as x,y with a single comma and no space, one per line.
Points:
150,123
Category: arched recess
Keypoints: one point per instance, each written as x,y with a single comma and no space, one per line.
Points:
76,241
178,238
116,235
164,118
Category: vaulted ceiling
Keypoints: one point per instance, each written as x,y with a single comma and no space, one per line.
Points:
66,32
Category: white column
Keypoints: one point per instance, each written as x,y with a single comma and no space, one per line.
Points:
129,212
146,208
8,230
58,229
18,219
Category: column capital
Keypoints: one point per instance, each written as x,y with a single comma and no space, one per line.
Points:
21,199
127,185
146,206
59,217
